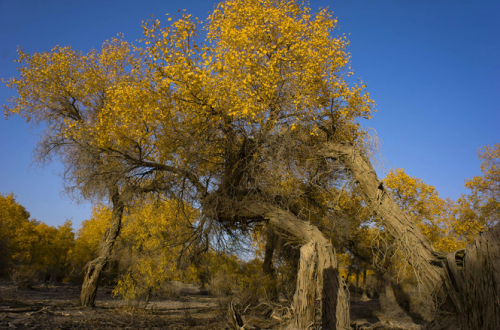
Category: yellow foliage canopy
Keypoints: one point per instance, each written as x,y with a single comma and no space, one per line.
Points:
485,189
154,236
263,66
447,224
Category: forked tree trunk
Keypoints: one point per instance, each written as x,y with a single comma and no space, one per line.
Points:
96,266
470,277
321,297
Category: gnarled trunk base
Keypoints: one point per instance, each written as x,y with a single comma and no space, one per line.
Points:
96,266
321,296
91,281
474,281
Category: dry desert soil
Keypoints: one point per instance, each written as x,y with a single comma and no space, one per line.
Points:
55,307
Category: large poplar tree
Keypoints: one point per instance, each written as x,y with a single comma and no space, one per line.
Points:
249,116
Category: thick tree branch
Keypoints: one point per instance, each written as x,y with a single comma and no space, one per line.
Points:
427,263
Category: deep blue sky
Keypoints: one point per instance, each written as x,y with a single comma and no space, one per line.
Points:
432,67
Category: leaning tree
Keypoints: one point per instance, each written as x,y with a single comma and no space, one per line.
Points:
465,281
236,119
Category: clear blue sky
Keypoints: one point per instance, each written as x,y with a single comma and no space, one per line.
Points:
432,67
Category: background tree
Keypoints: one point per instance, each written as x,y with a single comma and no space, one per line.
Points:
152,246
13,217
64,90
479,210
50,250
32,250
420,201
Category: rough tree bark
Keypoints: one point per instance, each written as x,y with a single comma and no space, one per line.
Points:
470,277
96,266
321,297
415,246
473,281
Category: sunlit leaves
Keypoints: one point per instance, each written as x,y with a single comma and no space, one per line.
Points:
89,236
153,237
14,221
485,189
449,225
198,90
43,250
420,200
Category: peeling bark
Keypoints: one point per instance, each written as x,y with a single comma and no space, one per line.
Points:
426,262
96,266
321,297
318,285
473,281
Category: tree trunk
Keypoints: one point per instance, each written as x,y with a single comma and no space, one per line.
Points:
349,272
388,301
321,297
426,262
96,266
356,291
364,296
389,304
267,265
470,277
473,280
